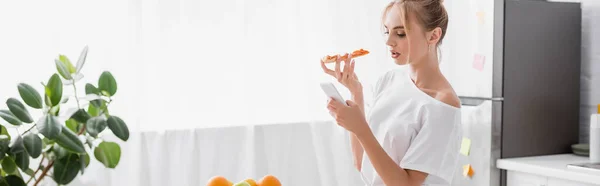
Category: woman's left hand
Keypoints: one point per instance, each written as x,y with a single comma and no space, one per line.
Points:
351,117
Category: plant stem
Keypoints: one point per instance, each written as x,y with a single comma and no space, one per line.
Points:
81,130
105,107
29,129
44,173
76,98
38,169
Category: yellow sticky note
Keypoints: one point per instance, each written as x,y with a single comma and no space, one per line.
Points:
465,147
468,170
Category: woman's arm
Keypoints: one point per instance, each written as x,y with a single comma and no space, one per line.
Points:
349,79
390,172
357,149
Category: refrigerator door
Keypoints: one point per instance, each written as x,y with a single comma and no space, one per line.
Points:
541,91
471,59
467,51
481,127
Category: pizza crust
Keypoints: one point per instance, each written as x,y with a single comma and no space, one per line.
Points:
355,54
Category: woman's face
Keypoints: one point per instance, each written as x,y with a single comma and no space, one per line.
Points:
402,49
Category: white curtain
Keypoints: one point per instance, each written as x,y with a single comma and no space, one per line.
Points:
297,153
206,87
216,63
195,63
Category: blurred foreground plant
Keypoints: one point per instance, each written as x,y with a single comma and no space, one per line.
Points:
62,140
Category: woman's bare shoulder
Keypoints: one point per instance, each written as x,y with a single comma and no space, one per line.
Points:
448,96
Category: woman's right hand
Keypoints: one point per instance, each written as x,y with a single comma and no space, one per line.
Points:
347,77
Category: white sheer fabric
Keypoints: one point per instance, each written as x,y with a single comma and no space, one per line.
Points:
196,77
298,154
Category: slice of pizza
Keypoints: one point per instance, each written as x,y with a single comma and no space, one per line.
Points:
329,59
355,54
358,53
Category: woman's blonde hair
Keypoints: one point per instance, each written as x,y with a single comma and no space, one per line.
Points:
428,13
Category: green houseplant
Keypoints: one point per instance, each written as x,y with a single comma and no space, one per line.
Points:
64,145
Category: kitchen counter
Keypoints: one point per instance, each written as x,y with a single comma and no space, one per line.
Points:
550,168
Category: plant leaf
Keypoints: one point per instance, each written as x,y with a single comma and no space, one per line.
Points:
18,109
62,70
93,110
69,141
55,110
65,169
30,96
107,83
13,180
18,174
84,161
118,127
49,126
55,87
33,145
79,127
9,165
29,172
67,63
4,132
22,160
3,181
76,78
95,125
105,93
47,98
4,141
89,140
48,141
100,104
72,124
17,146
65,100
60,151
81,116
108,153
46,144
82,58
91,89
10,117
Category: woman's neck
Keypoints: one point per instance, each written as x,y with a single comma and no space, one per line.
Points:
425,74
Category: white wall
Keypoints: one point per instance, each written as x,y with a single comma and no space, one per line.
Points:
590,63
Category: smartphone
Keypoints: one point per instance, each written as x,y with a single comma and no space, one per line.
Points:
332,92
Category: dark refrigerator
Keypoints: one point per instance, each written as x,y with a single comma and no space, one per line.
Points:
518,82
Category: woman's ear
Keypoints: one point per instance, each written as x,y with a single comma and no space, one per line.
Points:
434,36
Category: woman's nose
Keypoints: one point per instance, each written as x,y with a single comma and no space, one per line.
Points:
389,42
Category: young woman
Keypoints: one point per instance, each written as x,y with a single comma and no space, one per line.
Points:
411,133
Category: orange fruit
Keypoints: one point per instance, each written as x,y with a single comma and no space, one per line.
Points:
251,182
269,180
218,181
